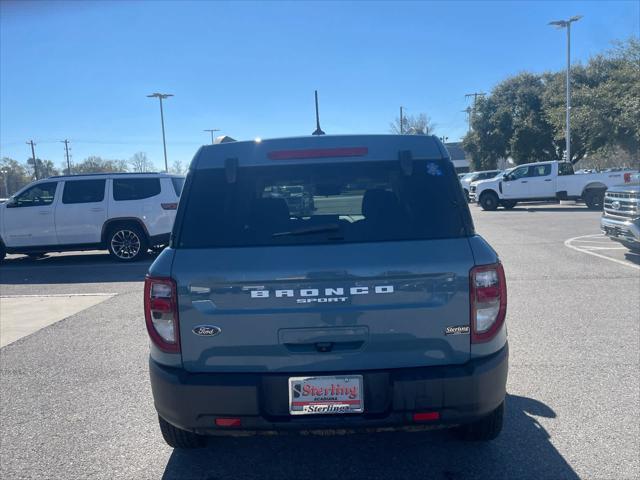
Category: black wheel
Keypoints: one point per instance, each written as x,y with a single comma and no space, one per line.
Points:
484,429
594,199
466,195
178,438
508,204
489,201
127,243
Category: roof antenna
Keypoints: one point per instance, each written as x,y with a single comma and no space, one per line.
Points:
318,129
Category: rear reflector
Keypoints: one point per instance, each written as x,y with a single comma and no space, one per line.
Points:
318,153
169,206
228,422
426,416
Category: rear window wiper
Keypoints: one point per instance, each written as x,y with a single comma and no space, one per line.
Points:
332,227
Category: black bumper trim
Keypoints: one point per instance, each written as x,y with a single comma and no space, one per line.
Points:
460,393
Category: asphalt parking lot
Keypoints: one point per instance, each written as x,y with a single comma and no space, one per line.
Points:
76,403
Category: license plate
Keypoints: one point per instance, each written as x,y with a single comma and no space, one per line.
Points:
325,395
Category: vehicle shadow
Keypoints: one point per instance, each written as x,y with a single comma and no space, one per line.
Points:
522,451
632,257
93,267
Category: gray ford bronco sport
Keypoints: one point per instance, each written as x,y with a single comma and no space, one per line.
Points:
379,307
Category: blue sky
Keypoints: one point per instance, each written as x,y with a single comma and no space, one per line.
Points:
82,70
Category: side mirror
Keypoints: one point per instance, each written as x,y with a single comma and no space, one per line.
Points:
11,203
505,177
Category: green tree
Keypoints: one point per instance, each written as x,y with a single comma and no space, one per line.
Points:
524,117
46,168
14,176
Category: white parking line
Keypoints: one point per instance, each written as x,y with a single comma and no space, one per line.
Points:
584,248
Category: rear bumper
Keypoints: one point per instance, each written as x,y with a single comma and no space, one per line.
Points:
459,393
620,230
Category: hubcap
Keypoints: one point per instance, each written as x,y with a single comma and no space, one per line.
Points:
125,244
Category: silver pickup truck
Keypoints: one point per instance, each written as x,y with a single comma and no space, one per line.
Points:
621,218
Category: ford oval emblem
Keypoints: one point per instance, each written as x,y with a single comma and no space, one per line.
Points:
206,330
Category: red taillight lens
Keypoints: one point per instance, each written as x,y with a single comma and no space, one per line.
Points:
318,153
161,313
488,295
627,177
426,416
228,422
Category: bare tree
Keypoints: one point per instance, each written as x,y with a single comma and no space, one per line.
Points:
140,163
413,125
177,167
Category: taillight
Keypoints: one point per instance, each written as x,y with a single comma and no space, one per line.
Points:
488,295
161,313
169,206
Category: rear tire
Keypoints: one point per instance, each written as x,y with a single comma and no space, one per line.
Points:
508,204
483,430
127,243
489,201
178,438
594,199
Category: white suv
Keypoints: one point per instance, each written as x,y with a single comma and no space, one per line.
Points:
128,213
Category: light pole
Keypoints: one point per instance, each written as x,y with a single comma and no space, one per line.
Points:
5,176
567,24
211,130
162,96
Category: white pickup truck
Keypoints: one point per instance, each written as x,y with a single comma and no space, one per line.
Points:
545,181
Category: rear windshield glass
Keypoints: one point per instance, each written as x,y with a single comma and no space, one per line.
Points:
330,203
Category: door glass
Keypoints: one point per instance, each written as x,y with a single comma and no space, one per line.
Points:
519,173
83,191
540,170
36,196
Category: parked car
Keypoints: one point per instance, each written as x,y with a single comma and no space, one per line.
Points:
382,309
546,181
299,200
621,218
126,213
474,177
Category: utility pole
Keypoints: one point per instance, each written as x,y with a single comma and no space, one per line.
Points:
475,96
211,130
401,121
162,96
567,24
33,155
468,111
471,110
66,149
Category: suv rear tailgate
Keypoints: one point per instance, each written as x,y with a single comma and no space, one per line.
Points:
322,308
